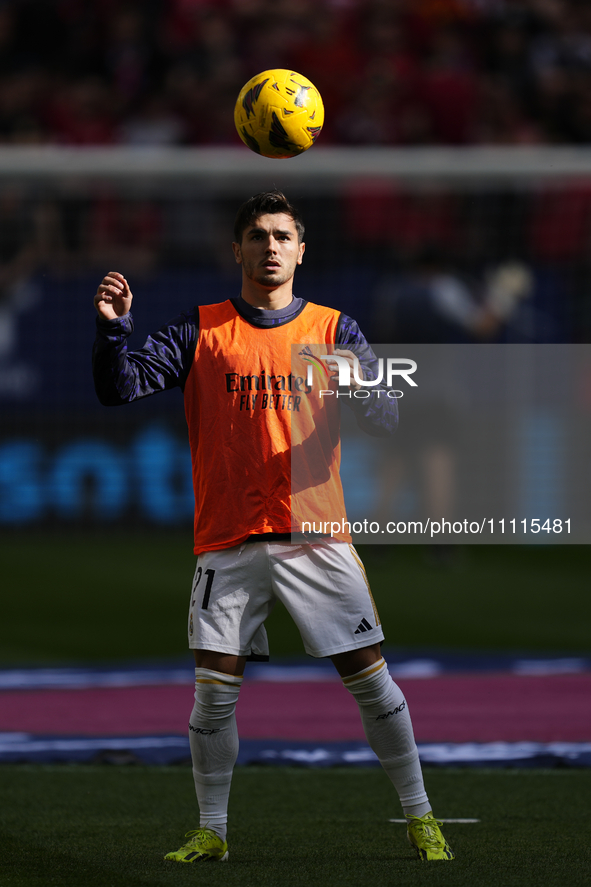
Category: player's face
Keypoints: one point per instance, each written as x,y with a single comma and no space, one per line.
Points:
270,250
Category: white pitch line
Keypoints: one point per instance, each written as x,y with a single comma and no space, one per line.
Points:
462,821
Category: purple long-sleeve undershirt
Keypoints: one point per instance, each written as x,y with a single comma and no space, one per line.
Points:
122,376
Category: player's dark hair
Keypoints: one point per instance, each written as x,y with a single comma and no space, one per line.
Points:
261,204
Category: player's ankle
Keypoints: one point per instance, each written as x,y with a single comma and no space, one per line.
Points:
419,810
219,828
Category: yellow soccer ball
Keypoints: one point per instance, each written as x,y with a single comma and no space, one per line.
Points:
279,113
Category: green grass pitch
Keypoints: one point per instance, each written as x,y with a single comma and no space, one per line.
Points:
120,595
98,826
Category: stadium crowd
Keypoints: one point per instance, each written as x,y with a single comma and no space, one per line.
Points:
394,72
391,72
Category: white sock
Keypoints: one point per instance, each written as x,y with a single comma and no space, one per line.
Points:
387,725
213,738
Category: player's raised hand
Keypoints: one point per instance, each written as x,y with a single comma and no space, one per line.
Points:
113,297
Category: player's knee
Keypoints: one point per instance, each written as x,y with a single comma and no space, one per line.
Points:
374,688
216,695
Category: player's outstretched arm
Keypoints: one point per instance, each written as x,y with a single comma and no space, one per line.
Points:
113,297
120,375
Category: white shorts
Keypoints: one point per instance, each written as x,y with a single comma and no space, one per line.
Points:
322,585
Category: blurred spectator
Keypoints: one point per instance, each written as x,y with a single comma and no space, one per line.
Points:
381,213
370,117
153,123
501,119
9,57
560,223
508,60
451,88
22,252
130,60
429,302
81,112
20,104
123,231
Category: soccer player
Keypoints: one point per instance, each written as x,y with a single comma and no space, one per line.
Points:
248,412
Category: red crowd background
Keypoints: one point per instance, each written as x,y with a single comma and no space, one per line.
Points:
392,72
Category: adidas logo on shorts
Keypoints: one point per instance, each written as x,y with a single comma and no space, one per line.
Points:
364,625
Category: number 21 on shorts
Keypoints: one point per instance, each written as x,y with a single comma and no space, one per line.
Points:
206,594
